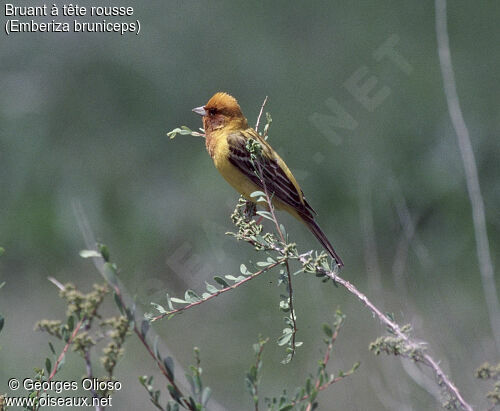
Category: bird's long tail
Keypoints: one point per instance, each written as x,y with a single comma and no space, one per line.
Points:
320,235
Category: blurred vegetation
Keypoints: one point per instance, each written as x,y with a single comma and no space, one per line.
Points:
83,118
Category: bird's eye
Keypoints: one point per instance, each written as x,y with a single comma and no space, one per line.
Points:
212,111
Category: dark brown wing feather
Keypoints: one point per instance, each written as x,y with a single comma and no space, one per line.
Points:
277,182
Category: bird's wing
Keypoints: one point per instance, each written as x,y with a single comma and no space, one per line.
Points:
277,177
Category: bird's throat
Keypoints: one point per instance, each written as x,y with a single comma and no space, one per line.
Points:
210,143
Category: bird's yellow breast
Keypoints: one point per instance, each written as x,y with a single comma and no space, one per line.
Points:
231,174
239,181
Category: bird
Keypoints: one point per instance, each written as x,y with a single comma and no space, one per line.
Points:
226,136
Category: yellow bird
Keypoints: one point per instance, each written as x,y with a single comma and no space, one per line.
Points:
226,136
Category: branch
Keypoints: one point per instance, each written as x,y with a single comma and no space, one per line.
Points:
62,354
100,264
88,368
470,168
325,386
221,291
406,346
257,368
395,329
282,237
66,347
326,358
260,114
159,363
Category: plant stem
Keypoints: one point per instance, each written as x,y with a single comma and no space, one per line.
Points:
221,291
471,173
394,327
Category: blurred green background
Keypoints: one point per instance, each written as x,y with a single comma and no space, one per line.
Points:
84,116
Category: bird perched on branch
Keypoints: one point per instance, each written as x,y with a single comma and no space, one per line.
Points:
226,136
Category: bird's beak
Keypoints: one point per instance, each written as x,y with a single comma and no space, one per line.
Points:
200,111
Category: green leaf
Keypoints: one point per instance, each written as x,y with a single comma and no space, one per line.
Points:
190,379
235,279
2,251
178,300
48,365
104,250
285,338
2,322
64,332
109,273
2,284
183,131
284,306
197,383
71,323
258,194
144,328
256,348
192,404
221,281
287,359
52,348
172,406
211,288
169,303
191,297
174,393
308,386
159,308
283,230
130,312
327,330
118,303
89,253
155,348
205,395
169,367
266,214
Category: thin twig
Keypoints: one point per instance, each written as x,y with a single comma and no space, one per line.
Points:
257,362
221,291
326,385
86,357
470,168
57,283
99,262
289,275
66,347
159,363
426,359
88,367
260,114
62,354
326,358
394,327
